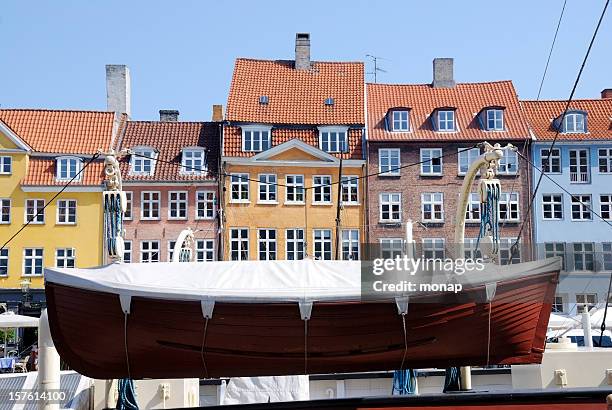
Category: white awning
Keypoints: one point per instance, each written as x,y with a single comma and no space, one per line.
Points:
12,320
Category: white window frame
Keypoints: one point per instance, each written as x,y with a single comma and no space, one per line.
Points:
559,300
349,188
4,262
606,256
241,254
268,187
605,206
403,123
427,157
205,250
66,163
495,115
587,256
466,155
389,155
154,255
604,154
321,240
175,200
39,204
505,246
434,245
436,201
190,157
321,187
341,145
585,301
149,205
555,204
38,254
66,204
129,206
242,181
256,135
137,160
296,188
4,161
170,252
580,172
298,245
556,249
69,254
391,201
512,202
549,166
472,213
390,248
577,201
5,211
509,160
267,244
446,121
351,249
205,205
574,116
127,250
469,249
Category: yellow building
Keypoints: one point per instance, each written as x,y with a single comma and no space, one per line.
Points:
293,130
40,152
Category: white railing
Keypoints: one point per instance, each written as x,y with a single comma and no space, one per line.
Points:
579,177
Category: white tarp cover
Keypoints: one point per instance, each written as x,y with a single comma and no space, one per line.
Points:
243,390
598,315
13,320
563,322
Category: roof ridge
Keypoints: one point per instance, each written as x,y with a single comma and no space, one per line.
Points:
429,84
263,60
170,122
565,101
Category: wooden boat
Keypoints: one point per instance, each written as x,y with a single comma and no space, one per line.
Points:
150,320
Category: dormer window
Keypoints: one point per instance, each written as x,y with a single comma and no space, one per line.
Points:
494,119
256,139
446,120
193,161
68,168
574,122
399,121
333,139
143,161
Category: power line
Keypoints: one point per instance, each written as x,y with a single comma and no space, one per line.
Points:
552,46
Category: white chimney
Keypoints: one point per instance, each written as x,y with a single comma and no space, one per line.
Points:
118,89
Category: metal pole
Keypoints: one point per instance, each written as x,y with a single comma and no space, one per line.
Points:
586,325
48,365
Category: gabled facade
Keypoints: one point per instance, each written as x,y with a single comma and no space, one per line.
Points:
581,162
293,129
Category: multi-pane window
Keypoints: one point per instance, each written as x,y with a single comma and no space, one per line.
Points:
584,256
5,211
205,250
127,251
605,160
399,121
129,203
588,300
68,168
171,245
495,119
471,249
433,248
267,188
143,161
431,161
65,258
446,120
579,165
33,261
266,240
550,163
177,205
573,122
605,206
465,158
6,165
606,255
149,205
350,244
390,207
240,187
581,207
35,211
552,206
552,249
322,244
66,211
509,206
193,161
508,164
294,244
506,254
294,189
149,251
472,214
239,244
432,208
205,204
390,248
558,305
389,161
4,258
350,189
333,141
322,190
255,140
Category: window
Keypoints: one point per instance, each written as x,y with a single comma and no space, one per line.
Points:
606,255
552,164
470,250
129,201
6,165
432,209
322,244
399,121
389,161
433,248
390,248
508,164
584,256
588,300
294,188
558,304
509,207
350,190
149,205
472,213
240,187
390,207
64,258
239,244
579,165
68,168
66,211
552,206
205,250
466,158
33,261
605,160
573,122
506,256
255,140
495,119
205,204
193,161
171,245
35,211
446,120
552,249
267,188
143,161
431,161
177,205
294,246
127,251
149,251
4,258
333,140
322,189
581,207
350,244
605,206
5,211
267,244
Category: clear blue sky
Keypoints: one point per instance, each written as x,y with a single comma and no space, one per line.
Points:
181,53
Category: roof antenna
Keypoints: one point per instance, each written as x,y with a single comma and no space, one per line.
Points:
376,67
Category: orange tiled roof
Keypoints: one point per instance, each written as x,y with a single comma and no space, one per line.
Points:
296,96
61,131
422,99
232,141
41,171
541,113
169,138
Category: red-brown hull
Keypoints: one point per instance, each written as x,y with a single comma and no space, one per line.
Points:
165,338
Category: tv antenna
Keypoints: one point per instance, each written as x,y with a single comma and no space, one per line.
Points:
377,69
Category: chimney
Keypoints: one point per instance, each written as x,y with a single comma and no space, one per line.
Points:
118,89
168,115
443,73
302,51
606,93
217,114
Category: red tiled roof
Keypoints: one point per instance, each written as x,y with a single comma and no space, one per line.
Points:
169,138
61,131
232,141
541,113
41,171
296,96
422,99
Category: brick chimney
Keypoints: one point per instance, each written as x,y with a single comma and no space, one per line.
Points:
168,115
217,113
302,51
443,73
606,93
118,89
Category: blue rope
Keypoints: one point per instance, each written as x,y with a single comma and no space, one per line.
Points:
404,382
127,395
452,380
489,217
